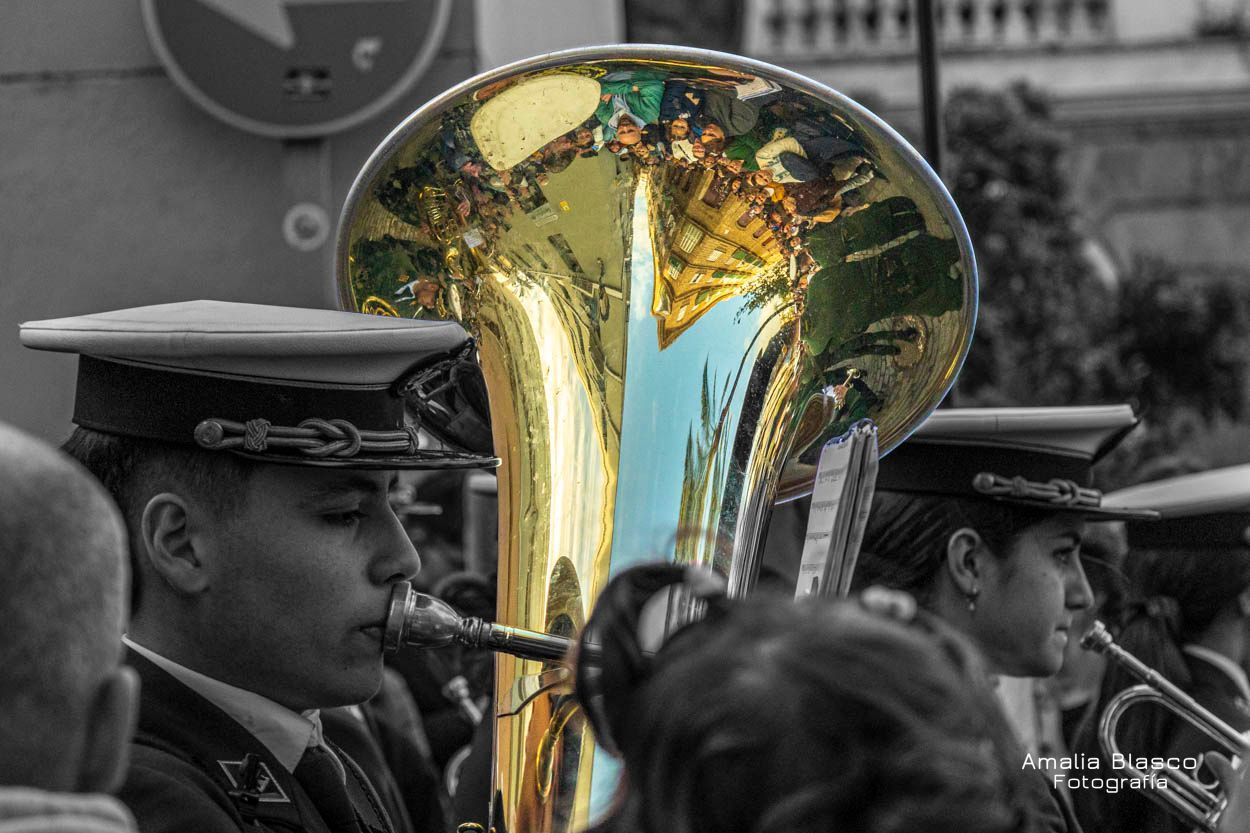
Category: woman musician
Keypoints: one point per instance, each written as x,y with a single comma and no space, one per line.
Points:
980,516
1189,619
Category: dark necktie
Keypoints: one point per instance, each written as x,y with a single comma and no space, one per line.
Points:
321,775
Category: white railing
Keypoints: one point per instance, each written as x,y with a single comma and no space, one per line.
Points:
843,28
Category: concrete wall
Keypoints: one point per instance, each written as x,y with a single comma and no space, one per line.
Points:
509,30
1177,190
115,190
1143,20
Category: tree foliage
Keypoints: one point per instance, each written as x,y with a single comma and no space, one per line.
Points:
1051,332
1044,316
1185,340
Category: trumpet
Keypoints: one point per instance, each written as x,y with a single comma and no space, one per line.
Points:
1186,796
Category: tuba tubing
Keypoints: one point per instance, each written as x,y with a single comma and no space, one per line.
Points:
1185,796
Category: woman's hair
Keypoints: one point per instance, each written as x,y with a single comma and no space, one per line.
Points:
905,543
772,715
1174,597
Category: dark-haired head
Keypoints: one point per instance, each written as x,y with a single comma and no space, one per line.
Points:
774,716
1178,598
132,470
1007,575
259,574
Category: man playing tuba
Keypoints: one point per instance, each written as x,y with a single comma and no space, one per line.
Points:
252,450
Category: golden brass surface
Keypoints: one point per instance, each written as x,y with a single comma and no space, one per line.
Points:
658,322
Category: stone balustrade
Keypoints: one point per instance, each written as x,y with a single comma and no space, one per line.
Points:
846,28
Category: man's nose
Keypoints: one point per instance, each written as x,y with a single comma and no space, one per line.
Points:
408,561
399,559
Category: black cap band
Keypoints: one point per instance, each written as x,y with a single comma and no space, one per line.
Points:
161,404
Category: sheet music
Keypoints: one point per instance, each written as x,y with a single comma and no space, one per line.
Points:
841,501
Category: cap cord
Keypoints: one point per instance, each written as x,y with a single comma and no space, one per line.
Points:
336,438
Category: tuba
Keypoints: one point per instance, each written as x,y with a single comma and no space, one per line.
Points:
685,271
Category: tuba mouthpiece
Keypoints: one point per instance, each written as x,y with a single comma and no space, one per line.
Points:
414,618
423,621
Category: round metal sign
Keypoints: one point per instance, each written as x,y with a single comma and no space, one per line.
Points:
295,68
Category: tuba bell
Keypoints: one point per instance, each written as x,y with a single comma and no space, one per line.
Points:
685,271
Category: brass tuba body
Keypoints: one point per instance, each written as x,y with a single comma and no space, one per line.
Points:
667,335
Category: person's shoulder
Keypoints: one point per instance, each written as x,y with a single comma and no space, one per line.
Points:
1215,690
167,792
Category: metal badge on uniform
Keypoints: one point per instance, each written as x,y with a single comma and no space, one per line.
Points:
261,782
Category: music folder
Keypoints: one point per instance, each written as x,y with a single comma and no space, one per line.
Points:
841,500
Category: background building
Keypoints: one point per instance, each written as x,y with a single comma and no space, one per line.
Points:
1154,94
117,190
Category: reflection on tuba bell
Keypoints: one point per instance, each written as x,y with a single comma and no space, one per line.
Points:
1186,796
685,271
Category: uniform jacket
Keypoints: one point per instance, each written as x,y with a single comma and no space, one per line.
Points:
185,761
389,746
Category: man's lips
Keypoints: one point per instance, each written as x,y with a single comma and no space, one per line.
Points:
374,631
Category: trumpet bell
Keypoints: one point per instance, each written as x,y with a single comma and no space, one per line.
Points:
685,272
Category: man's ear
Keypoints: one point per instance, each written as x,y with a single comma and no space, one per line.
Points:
168,545
963,553
110,726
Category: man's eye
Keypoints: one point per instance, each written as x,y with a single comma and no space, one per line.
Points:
348,518
1066,556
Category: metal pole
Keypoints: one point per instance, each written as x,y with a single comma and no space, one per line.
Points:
930,97
931,110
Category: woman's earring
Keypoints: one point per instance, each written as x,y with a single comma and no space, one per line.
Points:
972,598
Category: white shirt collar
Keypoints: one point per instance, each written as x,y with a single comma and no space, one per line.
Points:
285,733
1234,671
